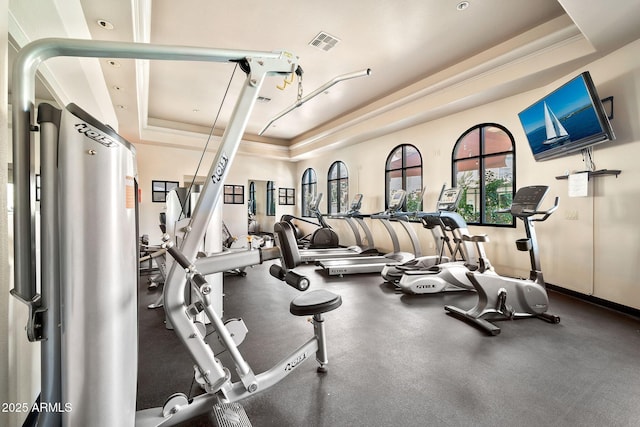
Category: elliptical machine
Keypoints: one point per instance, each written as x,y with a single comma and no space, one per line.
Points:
506,298
448,201
452,275
323,237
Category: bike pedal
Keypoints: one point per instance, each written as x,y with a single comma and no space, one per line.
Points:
229,415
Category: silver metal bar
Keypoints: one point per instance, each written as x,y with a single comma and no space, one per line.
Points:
206,205
392,233
413,236
275,374
50,345
315,93
244,370
220,262
22,98
258,64
321,354
202,404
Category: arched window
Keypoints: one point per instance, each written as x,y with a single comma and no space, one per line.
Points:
271,199
403,170
338,188
309,189
483,165
251,204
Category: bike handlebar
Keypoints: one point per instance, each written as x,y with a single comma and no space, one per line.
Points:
547,212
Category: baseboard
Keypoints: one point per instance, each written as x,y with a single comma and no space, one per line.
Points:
595,300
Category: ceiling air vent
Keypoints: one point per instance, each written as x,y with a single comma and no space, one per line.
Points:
324,41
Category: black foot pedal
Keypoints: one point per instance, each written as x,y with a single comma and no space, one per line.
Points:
229,415
502,305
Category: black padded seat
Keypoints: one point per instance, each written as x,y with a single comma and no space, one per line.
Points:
288,244
315,302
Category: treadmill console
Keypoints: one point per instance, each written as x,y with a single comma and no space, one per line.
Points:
356,204
449,200
314,203
397,199
528,198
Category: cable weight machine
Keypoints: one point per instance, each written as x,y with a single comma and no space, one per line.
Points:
85,313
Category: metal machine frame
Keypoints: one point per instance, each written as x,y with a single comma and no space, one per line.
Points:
376,263
43,323
508,298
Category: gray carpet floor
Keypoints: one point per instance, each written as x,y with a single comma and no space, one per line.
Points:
399,360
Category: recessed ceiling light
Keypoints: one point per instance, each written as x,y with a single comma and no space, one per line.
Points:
463,5
113,63
102,23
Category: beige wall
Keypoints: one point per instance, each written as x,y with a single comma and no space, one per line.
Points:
589,245
4,237
594,254
173,164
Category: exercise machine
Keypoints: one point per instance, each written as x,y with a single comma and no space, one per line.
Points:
85,314
323,237
449,276
448,201
174,221
228,240
351,217
375,264
506,298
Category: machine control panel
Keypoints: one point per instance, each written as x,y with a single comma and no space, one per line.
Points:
528,198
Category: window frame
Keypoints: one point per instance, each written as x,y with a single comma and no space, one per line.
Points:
233,194
342,183
482,169
164,192
271,198
286,196
403,168
251,201
309,186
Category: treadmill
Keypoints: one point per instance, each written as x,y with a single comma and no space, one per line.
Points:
353,217
374,264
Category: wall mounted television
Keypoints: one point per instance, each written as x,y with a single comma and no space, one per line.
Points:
568,119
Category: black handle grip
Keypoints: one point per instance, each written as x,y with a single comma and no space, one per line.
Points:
290,277
178,256
277,271
296,280
199,280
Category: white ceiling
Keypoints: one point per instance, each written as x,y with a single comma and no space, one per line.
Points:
427,58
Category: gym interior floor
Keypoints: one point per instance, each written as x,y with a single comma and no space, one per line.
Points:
399,360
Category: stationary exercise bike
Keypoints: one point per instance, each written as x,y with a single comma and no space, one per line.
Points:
506,298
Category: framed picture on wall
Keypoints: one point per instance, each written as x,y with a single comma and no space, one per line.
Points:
286,196
234,194
159,190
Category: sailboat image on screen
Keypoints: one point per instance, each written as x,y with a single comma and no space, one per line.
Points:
555,131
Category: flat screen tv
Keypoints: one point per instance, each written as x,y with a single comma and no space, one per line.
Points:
569,119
